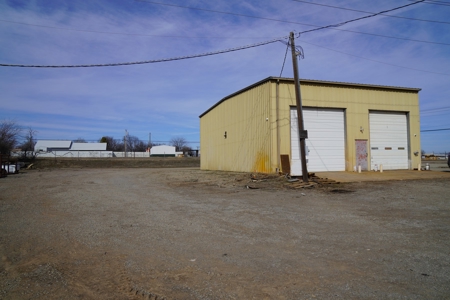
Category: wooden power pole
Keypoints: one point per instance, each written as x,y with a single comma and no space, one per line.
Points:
302,133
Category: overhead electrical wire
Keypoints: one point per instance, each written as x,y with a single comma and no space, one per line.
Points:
390,37
130,34
222,12
443,3
217,37
317,27
440,129
362,18
284,61
367,12
208,53
434,111
377,61
148,61
437,108
304,24
241,15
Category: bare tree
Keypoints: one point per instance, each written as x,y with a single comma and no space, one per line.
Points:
141,146
111,143
134,144
179,143
9,132
118,146
28,145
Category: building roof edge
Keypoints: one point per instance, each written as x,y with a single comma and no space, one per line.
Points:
309,81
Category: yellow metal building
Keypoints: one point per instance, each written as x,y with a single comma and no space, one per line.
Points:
349,125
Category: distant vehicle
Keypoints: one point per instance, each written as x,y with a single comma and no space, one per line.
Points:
448,161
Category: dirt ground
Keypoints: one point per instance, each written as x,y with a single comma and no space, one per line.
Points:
182,233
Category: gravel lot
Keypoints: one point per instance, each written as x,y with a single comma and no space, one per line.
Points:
182,233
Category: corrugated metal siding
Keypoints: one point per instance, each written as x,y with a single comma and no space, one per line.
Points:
247,146
252,143
88,146
357,102
162,150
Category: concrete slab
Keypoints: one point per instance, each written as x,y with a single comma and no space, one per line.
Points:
438,169
385,176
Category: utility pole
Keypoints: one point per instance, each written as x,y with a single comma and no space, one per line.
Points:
149,143
302,133
125,142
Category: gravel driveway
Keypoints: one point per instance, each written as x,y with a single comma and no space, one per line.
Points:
190,234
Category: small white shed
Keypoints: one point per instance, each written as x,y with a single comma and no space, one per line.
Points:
163,151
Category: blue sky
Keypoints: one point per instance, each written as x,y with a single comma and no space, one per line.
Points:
165,99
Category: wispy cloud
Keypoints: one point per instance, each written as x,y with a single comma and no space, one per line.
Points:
167,98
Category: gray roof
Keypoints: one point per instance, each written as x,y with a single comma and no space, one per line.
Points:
68,145
88,146
40,144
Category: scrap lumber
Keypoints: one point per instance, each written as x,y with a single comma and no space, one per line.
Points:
320,180
301,185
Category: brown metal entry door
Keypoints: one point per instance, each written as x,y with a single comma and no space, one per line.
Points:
361,154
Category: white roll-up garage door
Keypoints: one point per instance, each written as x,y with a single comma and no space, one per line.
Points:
325,143
388,140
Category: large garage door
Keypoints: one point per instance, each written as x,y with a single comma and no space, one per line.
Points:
388,140
325,143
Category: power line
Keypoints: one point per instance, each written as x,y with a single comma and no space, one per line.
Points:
365,17
283,21
367,12
443,3
377,61
436,109
223,12
241,15
284,61
439,2
304,24
217,37
270,19
129,34
389,37
148,61
208,53
441,129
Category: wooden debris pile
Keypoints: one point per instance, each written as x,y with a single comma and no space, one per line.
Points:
272,181
261,181
313,181
314,178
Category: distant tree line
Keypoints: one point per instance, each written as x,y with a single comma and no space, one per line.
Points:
134,144
12,136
